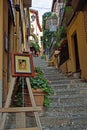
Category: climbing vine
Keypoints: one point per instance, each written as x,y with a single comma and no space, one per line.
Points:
47,34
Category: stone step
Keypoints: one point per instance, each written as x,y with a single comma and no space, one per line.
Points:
49,70
59,86
63,127
68,85
70,108
63,108
57,110
63,114
57,122
60,81
69,91
67,105
61,77
55,75
55,78
69,98
64,120
64,78
50,73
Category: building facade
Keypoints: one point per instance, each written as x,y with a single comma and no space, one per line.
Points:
74,17
12,39
35,29
77,40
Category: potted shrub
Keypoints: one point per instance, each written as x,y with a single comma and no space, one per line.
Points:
38,71
40,88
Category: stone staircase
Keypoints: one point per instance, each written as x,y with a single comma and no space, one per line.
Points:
68,107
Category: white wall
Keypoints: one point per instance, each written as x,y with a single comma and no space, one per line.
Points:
36,28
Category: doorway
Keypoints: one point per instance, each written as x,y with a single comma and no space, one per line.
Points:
75,42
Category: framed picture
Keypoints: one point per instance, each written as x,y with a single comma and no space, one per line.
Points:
22,64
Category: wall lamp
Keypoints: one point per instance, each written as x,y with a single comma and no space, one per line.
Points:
17,7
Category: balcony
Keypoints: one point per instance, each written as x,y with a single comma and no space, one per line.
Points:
65,15
27,3
74,4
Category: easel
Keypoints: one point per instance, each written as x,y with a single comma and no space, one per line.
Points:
21,110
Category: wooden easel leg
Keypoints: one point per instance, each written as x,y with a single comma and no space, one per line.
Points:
8,101
33,103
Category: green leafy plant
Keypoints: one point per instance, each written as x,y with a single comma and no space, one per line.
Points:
40,82
37,82
38,71
43,56
35,45
47,34
60,34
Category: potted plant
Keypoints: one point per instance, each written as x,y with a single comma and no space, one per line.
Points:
38,71
40,88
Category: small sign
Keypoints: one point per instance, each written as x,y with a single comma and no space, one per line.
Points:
51,24
22,64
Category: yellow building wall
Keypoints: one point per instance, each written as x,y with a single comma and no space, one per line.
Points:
13,44
54,60
77,25
63,67
5,60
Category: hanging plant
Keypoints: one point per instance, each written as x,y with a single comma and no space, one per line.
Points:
35,37
57,45
35,45
61,33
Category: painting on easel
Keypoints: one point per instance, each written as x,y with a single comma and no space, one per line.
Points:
22,64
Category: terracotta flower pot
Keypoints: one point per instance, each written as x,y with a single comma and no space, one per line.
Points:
38,97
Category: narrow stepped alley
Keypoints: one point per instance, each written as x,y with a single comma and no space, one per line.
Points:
68,107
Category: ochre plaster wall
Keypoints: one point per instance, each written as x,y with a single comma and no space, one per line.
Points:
78,26
55,61
5,53
63,67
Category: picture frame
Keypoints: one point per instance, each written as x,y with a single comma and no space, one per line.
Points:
22,65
